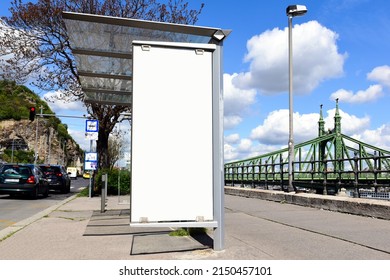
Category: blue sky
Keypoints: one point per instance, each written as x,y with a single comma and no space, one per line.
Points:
341,50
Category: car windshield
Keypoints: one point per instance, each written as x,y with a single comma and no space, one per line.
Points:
16,170
50,169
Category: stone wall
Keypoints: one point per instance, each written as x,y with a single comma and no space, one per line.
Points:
59,152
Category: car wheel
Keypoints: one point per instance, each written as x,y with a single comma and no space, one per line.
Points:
34,194
65,189
46,193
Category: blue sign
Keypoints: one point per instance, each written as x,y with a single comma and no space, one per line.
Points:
91,126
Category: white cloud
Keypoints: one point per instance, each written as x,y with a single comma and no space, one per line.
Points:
236,102
79,137
245,149
58,103
315,57
245,145
373,93
230,152
272,134
232,138
275,128
236,148
379,137
380,74
350,124
230,122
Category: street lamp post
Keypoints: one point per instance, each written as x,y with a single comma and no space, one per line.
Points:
291,11
13,144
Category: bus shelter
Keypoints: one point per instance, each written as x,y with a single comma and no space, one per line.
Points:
170,75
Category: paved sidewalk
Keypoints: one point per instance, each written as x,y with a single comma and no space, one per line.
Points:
76,229
255,229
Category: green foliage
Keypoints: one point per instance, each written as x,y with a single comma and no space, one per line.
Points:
63,131
188,231
16,101
84,192
18,156
180,232
115,176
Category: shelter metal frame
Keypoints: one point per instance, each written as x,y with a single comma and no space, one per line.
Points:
102,47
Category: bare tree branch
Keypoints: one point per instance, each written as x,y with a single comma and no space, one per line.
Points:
34,44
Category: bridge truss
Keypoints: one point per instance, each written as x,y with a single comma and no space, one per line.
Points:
324,164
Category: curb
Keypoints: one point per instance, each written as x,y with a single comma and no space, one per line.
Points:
8,231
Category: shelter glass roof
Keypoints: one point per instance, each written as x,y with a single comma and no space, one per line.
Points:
102,47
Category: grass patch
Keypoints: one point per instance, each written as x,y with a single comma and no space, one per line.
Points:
188,231
180,232
8,235
84,192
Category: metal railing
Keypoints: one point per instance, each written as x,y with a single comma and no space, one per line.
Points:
327,176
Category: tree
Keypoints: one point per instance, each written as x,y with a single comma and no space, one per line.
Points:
35,45
116,145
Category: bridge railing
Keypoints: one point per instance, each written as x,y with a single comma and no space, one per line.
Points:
325,176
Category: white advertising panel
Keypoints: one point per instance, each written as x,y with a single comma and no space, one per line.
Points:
172,151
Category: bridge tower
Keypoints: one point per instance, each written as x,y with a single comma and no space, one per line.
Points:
322,145
321,124
338,151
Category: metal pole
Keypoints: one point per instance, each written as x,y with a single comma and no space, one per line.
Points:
63,152
103,193
90,177
12,156
36,140
119,170
291,129
218,166
48,157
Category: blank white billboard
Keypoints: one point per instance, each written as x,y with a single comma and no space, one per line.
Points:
172,145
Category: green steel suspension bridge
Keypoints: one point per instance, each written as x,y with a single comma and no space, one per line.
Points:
325,164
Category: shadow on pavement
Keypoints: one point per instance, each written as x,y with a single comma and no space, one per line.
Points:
145,240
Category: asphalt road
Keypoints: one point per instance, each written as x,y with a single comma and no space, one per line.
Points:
15,209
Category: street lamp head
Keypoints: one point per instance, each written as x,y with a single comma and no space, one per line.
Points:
296,10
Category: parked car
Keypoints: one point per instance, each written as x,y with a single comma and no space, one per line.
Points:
23,179
72,172
57,177
87,174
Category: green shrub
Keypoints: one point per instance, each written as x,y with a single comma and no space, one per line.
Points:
116,178
18,156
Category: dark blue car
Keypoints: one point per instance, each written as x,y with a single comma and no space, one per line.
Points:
57,177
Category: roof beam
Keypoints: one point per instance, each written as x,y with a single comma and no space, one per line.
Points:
144,24
124,55
105,75
106,91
